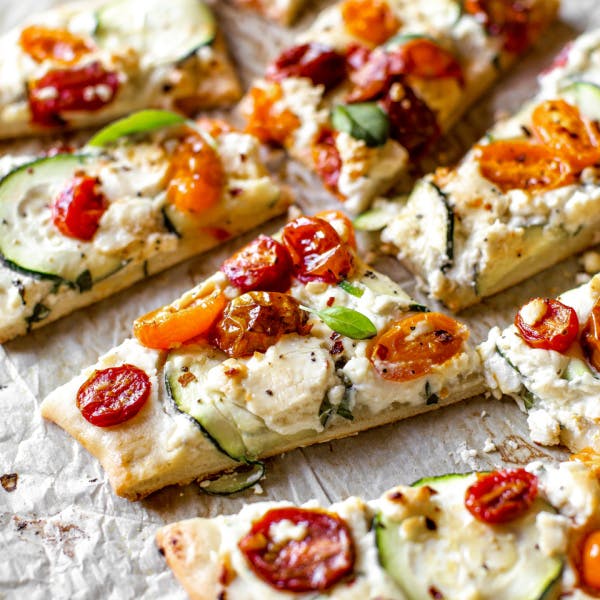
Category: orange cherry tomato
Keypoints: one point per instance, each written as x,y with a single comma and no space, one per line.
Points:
114,395
177,323
264,264
555,329
341,223
317,251
559,126
78,208
424,58
312,562
413,346
514,164
58,45
370,20
501,496
590,560
197,176
268,122
590,337
326,158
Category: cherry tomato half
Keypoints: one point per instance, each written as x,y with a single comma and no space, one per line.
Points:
326,158
59,45
515,164
511,19
78,208
89,88
314,560
559,126
264,264
424,58
590,560
341,223
197,176
317,251
413,346
369,20
590,337
501,496
254,321
551,326
114,395
319,63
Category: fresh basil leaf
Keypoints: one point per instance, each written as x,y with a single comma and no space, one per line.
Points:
363,121
351,289
139,122
346,321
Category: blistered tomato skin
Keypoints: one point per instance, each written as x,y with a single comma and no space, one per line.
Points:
590,337
501,496
317,62
560,127
369,20
327,159
59,45
78,208
556,329
525,165
264,264
113,396
82,89
318,253
415,345
312,562
255,321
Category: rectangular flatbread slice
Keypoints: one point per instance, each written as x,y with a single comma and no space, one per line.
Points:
414,542
372,84
87,63
77,227
282,11
524,198
555,378
234,373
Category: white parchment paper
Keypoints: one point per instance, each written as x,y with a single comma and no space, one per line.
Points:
64,534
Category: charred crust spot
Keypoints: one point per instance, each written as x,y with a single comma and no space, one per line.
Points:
396,496
435,593
430,524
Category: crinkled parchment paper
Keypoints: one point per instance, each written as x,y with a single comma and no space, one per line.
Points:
64,534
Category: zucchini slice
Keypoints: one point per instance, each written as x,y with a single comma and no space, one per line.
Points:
586,96
448,552
29,242
235,481
161,32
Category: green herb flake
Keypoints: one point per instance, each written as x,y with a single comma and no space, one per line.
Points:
353,290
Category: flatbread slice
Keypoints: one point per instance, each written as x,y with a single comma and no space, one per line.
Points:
413,543
555,380
367,90
87,63
234,373
77,227
524,198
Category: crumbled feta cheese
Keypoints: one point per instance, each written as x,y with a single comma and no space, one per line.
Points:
533,312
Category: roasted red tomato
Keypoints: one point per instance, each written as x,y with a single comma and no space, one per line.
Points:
370,20
114,395
590,337
514,164
264,264
254,321
78,208
327,159
511,19
590,560
412,123
197,176
317,251
559,126
319,63
59,45
413,346
319,554
341,223
501,496
548,324
86,89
